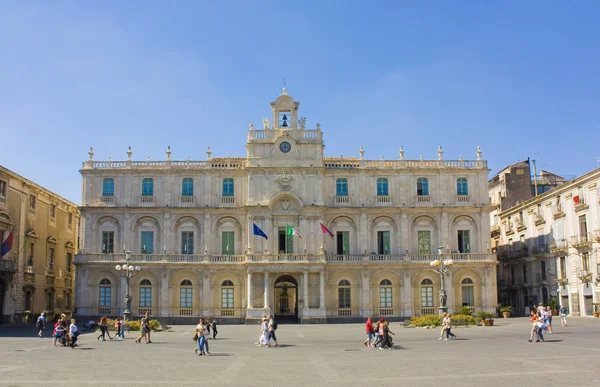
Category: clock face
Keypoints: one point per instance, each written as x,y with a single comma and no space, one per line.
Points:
285,147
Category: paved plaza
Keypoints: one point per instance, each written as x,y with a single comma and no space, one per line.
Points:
312,355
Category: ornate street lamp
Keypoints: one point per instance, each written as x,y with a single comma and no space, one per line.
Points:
442,267
127,271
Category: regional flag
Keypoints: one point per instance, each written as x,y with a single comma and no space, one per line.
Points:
259,232
326,230
6,245
292,231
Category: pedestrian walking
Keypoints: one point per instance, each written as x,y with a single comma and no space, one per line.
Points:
443,330
563,316
119,328
206,335
272,327
448,323
57,333
214,329
40,324
548,318
263,341
369,330
200,338
104,329
148,327
73,333
143,331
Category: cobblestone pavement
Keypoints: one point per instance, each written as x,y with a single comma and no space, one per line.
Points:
313,355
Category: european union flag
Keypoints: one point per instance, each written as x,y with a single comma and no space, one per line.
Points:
259,232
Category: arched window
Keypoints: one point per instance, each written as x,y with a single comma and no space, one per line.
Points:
187,187
227,300
28,299
344,295
341,187
426,293
185,294
228,187
468,292
422,186
145,294
382,187
148,187
385,294
108,187
462,186
105,296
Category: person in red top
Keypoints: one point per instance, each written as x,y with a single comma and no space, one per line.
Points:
534,329
369,329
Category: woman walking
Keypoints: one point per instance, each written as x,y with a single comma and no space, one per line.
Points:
214,329
264,333
534,319
548,318
143,331
200,330
448,323
104,329
444,315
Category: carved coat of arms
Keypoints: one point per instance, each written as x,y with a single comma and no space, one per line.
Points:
285,182
285,203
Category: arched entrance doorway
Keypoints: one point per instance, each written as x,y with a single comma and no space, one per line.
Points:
286,299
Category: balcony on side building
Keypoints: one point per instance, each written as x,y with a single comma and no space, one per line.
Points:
582,241
7,265
559,246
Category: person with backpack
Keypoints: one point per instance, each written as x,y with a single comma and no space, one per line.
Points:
272,328
40,324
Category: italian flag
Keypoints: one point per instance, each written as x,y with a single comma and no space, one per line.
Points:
290,231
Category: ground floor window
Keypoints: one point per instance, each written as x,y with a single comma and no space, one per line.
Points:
227,300
344,295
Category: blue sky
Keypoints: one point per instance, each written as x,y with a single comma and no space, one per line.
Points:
521,79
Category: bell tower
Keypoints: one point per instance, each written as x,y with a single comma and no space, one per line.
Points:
285,141
285,112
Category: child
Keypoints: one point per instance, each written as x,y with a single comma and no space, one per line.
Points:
73,332
57,333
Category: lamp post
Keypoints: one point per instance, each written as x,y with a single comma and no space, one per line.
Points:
127,271
442,267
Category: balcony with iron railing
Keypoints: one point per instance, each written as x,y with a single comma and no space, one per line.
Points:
540,249
7,265
559,246
582,240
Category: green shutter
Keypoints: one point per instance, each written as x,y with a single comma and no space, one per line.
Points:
227,246
386,242
424,242
346,241
289,244
466,241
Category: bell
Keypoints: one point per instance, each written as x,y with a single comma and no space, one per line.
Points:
284,124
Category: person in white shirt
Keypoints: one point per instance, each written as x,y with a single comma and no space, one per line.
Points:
73,332
41,324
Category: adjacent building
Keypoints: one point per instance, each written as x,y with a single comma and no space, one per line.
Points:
549,246
38,231
369,230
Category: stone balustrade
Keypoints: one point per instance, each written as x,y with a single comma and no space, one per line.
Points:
285,258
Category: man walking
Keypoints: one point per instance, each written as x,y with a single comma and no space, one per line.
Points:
563,316
41,324
272,329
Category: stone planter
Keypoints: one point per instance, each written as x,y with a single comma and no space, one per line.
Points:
596,314
505,314
487,323
554,312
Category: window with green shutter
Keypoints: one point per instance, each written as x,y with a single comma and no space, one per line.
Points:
227,242
383,242
343,242
424,242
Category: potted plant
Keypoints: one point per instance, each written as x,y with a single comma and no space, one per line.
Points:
506,311
553,304
487,318
596,313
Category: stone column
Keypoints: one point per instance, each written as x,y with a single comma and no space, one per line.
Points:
305,290
206,234
206,294
249,304
266,306
365,295
249,248
164,294
407,295
322,290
